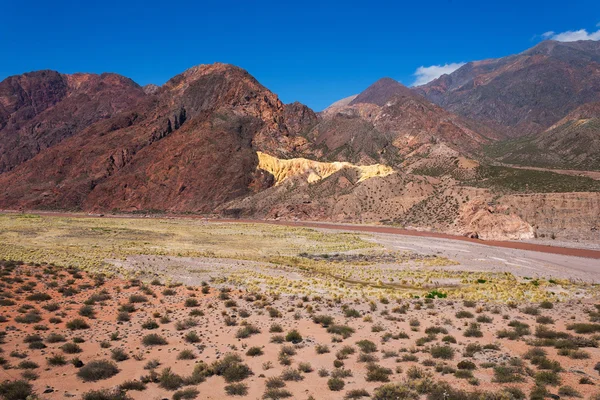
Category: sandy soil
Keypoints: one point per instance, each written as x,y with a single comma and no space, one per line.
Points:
379,321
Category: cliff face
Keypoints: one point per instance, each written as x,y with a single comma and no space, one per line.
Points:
40,109
564,215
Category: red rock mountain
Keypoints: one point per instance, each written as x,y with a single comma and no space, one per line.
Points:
388,121
525,93
40,109
187,146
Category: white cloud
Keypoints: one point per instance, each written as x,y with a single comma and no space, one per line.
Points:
572,36
427,74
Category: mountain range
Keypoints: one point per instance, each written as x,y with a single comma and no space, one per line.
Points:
480,151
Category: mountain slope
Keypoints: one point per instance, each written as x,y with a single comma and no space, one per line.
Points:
189,147
40,109
389,122
525,93
571,143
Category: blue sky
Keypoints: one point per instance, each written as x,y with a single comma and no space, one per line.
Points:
312,51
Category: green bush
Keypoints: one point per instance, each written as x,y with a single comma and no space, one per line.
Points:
293,336
16,390
154,339
105,394
169,380
335,384
97,370
443,352
77,324
186,394
236,389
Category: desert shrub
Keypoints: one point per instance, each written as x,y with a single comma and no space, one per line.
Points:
290,374
356,394
77,324
544,319
322,348
274,382
71,348
415,373
186,394
276,394
584,328
547,378
366,346
484,319
568,391
449,339
277,339
51,307
507,374
547,305
27,364
323,320
87,311
97,370
57,359
29,318
169,292
137,298
530,310
246,331
293,336
464,314
186,355
123,316
127,307
118,354
154,339
236,389
132,385
443,352
231,368
152,364
169,380
38,297
395,391
275,328
32,338
335,384
16,390
150,324
376,373
254,351
186,324
466,364
192,337
55,338
434,330
342,330
106,394
473,330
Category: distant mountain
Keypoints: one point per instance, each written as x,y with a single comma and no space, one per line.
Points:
40,109
382,91
526,93
188,147
571,143
387,122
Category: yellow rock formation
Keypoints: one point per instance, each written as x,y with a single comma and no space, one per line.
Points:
315,170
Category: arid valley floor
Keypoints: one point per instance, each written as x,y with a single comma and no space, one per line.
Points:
117,308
